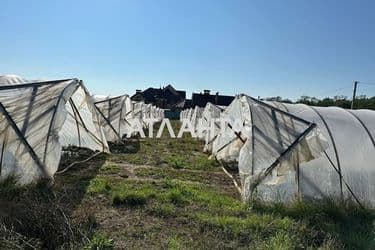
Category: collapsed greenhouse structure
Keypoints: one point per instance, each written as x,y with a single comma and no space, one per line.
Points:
116,115
280,151
210,113
41,117
283,151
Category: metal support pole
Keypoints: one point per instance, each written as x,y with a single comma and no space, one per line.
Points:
354,94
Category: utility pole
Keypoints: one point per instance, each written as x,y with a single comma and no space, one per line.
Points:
354,93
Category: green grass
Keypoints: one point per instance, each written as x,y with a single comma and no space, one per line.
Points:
181,153
271,226
174,243
162,210
100,242
176,162
130,196
152,153
177,174
99,185
110,169
267,226
349,224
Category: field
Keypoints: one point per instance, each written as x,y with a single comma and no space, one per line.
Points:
166,194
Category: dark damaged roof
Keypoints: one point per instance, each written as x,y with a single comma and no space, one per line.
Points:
199,99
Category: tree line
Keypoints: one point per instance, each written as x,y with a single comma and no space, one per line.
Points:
361,102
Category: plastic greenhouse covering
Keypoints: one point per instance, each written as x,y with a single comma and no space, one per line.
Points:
116,115
209,115
11,79
193,115
119,114
283,151
38,118
346,168
146,111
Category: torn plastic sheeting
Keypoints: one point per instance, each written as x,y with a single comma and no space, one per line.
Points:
40,111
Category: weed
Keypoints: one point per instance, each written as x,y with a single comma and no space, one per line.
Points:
176,162
132,196
110,169
130,199
100,242
163,210
9,187
174,243
99,185
282,240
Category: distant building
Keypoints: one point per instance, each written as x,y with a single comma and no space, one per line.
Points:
172,99
188,104
166,98
202,99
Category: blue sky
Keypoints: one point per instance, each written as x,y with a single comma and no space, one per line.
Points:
262,48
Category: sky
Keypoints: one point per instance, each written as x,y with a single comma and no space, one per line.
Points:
261,48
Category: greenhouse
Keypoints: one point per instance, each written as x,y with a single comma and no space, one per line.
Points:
116,115
209,115
39,117
288,151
